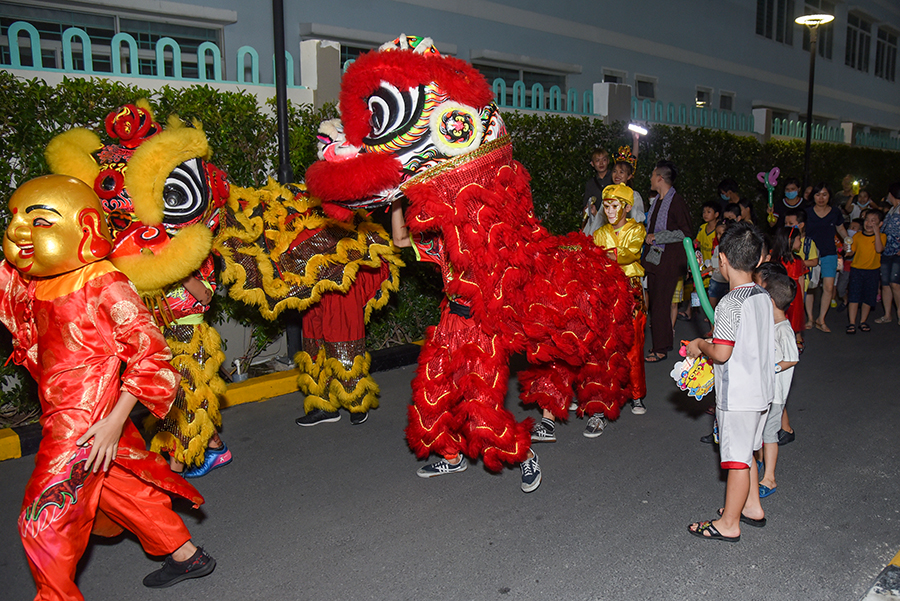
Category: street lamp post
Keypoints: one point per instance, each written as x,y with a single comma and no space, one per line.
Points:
813,22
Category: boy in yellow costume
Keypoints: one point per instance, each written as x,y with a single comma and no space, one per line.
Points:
623,239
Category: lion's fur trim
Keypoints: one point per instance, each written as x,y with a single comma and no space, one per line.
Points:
71,153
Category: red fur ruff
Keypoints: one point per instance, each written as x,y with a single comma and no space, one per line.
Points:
353,179
558,299
405,69
458,397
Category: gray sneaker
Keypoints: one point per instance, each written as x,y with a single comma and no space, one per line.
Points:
637,407
439,468
541,433
531,474
595,425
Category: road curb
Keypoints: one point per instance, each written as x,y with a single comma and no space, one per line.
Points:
887,586
24,440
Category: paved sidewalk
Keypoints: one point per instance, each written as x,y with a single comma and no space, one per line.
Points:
336,512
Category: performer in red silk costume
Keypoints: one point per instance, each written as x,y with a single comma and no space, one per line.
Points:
424,126
77,323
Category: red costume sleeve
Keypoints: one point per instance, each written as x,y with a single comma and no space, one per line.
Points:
140,345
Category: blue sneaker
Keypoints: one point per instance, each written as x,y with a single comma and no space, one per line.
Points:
214,458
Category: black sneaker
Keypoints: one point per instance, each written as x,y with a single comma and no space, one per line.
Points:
442,467
317,416
199,565
708,439
543,431
785,437
358,418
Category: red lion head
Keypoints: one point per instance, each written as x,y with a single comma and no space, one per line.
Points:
404,109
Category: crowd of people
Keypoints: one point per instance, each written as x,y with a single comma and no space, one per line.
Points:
768,282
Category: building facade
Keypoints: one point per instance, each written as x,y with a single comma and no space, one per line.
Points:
728,55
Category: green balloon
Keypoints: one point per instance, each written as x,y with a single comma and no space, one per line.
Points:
698,279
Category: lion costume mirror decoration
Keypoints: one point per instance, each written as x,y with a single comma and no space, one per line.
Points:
423,126
166,202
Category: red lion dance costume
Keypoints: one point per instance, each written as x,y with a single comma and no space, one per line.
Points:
424,126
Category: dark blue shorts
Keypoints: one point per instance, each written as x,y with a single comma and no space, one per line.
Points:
717,289
864,286
890,269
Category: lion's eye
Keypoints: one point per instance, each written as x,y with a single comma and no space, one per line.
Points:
393,112
185,194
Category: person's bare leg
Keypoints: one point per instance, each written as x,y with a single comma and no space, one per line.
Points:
808,303
175,465
852,310
737,489
770,458
785,422
825,303
674,313
887,299
215,442
864,313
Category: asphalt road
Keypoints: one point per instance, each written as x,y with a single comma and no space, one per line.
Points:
336,512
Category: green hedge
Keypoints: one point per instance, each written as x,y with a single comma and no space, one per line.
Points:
556,151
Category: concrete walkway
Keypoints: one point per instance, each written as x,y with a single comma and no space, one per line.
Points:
336,512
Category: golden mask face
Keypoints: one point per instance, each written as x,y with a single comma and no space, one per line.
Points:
57,226
614,209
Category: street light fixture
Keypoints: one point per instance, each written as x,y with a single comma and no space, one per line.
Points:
813,22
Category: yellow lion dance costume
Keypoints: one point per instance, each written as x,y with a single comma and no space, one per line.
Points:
164,202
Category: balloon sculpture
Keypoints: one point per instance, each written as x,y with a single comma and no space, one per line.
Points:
770,180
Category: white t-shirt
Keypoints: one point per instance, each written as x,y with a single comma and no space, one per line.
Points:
785,350
745,320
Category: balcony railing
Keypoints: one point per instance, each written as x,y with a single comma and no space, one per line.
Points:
656,111
123,50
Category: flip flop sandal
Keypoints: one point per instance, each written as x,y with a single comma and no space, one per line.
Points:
714,534
765,491
851,329
655,357
822,328
864,327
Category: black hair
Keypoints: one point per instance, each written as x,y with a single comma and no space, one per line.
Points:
799,213
792,180
742,243
765,271
668,171
733,208
728,185
715,205
780,286
818,188
858,221
894,190
783,244
878,212
746,204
